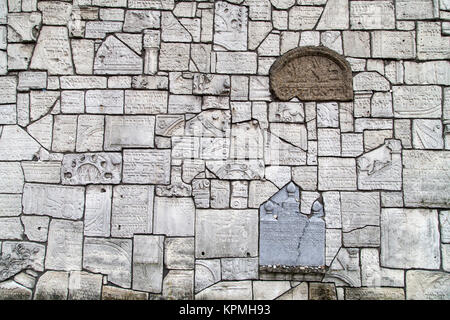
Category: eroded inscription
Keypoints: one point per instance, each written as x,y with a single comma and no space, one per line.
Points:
311,73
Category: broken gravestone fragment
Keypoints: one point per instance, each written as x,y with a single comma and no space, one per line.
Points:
311,74
289,240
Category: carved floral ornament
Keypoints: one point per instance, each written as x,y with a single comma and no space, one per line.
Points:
311,74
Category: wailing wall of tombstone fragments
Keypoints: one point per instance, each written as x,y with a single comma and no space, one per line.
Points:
235,149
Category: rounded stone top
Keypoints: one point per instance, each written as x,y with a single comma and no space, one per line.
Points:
269,206
290,188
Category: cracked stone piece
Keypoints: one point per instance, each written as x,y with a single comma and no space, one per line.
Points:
178,285
173,30
427,134
148,263
132,210
410,230
65,244
10,290
20,255
53,200
207,273
381,168
114,57
54,12
345,269
427,285
179,253
211,84
64,133
335,16
227,290
89,168
269,290
174,216
41,102
52,285
41,130
52,52
322,291
304,17
23,26
36,227
111,257
299,292
239,268
373,275
279,152
138,20
359,209
90,133
230,26
84,286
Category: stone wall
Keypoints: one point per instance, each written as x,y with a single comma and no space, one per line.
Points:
139,138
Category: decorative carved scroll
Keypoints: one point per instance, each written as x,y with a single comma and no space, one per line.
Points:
311,74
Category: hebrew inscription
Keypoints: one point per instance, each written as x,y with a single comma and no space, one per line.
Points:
311,73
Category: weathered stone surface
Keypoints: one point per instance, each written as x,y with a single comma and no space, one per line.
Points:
279,152
415,9
132,210
322,291
365,81
148,263
114,57
174,56
337,173
239,268
146,166
374,294
427,134
304,17
425,185
231,233
23,26
334,82
145,102
97,213
84,286
345,269
427,285
227,290
111,257
410,230
372,15
417,101
393,44
16,144
269,290
10,205
178,285
236,62
138,20
89,168
52,52
115,293
174,216
54,12
129,131
90,133
433,72
36,227
230,25
52,285
12,177
17,256
431,45
179,253
372,275
65,244
53,200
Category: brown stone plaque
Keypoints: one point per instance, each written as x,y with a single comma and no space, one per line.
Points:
311,74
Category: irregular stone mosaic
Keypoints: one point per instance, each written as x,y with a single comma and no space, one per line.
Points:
232,149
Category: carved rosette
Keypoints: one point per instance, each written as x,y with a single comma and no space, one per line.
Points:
311,74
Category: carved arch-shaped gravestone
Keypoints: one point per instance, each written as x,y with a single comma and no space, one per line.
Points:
311,74
291,241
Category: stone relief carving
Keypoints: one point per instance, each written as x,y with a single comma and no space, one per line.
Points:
311,73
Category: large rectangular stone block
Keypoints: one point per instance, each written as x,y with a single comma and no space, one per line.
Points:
226,233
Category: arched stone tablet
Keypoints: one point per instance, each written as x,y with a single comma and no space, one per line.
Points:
311,74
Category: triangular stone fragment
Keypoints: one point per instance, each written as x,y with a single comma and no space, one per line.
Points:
52,52
16,144
41,130
114,57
